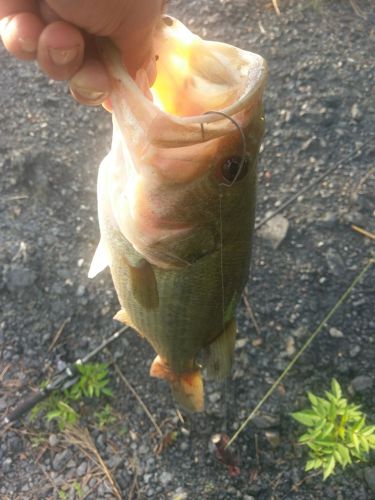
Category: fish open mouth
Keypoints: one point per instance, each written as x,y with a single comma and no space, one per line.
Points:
196,76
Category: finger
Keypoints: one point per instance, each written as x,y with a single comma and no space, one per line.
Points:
60,50
130,24
90,85
20,33
8,8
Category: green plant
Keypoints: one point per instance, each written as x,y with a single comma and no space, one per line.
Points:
63,413
78,489
105,416
337,431
92,382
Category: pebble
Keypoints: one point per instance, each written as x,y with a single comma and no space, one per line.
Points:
18,277
214,397
370,477
53,440
354,351
275,230
335,263
273,437
356,113
7,465
334,332
82,468
179,494
165,478
3,404
61,458
265,421
361,383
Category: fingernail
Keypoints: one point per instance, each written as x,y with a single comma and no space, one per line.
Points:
28,45
87,94
63,56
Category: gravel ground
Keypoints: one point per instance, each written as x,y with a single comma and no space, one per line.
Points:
320,112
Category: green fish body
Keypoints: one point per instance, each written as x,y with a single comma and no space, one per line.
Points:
176,200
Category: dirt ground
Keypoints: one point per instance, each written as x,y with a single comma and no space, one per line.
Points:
319,107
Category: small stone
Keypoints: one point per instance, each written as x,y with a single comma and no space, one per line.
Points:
354,351
265,421
80,291
179,494
356,113
165,478
334,332
214,397
17,277
361,383
53,440
184,446
273,437
290,346
3,404
7,465
81,469
61,459
240,343
370,477
335,263
275,230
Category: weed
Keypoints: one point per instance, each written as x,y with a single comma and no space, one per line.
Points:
62,407
78,489
337,431
105,416
93,381
63,413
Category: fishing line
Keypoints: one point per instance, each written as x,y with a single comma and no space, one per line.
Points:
221,194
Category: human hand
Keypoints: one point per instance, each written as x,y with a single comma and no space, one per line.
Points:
59,34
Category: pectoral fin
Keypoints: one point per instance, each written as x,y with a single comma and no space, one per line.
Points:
143,284
187,387
100,260
219,353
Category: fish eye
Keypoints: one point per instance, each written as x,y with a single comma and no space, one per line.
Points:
230,170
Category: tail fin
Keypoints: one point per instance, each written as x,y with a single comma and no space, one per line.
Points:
219,353
187,387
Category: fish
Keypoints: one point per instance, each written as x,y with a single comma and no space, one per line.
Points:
176,200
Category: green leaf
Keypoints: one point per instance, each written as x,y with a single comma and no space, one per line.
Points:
336,389
344,452
358,426
328,428
313,399
329,467
308,417
355,442
368,431
315,463
364,443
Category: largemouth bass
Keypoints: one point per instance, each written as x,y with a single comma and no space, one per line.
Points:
176,200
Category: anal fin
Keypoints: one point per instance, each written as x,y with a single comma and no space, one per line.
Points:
219,354
187,387
123,317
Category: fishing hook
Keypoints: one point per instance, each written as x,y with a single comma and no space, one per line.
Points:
243,139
